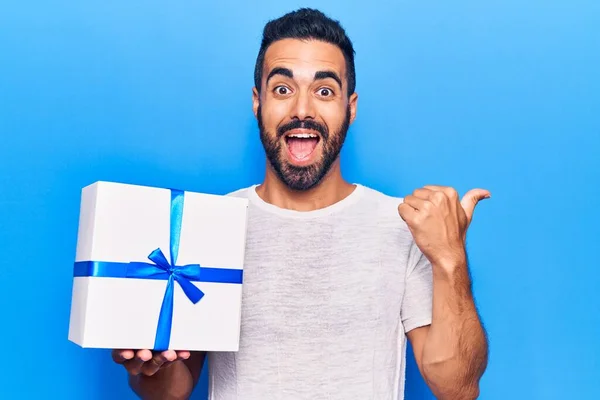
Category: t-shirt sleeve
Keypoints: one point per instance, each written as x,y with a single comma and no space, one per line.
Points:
418,291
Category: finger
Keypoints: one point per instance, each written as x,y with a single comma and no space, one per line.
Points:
183,355
437,188
158,361
169,355
423,193
151,367
416,202
447,190
407,212
120,356
134,365
470,200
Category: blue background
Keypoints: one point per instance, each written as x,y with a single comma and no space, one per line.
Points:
498,94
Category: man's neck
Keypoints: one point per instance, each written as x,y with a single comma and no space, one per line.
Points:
332,189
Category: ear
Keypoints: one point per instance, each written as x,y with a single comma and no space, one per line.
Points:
352,102
255,101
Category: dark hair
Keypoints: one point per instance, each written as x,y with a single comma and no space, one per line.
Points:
304,24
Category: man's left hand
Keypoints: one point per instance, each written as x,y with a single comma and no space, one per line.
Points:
438,221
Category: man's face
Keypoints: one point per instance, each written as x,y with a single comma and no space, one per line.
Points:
303,110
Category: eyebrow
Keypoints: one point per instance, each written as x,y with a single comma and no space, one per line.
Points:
328,74
319,75
280,71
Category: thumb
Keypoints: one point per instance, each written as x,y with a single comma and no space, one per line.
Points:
470,200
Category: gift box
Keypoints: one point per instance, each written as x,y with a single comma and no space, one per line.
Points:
158,269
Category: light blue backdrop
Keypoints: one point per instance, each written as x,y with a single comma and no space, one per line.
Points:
499,94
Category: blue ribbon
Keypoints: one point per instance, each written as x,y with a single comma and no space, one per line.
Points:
162,269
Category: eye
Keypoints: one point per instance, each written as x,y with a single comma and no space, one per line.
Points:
325,92
282,90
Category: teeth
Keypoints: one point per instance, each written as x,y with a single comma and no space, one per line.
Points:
303,135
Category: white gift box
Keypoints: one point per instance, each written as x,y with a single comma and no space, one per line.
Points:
120,226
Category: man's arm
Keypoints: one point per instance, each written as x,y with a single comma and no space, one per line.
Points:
452,352
164,376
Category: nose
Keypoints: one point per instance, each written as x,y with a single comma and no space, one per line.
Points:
303,107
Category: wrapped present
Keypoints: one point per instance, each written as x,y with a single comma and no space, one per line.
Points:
158,269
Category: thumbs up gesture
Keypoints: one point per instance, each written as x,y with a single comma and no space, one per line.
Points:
438,221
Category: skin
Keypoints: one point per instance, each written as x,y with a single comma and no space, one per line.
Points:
451,353
304,100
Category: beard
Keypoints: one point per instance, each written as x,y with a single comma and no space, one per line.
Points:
301,178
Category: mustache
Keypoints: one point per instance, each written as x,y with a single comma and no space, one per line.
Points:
304,124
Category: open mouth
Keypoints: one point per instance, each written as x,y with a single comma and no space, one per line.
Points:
301,145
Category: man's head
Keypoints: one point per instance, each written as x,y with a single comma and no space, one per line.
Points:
304,97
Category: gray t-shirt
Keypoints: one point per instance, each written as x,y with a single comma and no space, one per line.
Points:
328,296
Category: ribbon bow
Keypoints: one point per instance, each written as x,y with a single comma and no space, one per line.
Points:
162,269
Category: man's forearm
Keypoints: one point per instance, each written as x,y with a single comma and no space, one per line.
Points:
174,382
455,350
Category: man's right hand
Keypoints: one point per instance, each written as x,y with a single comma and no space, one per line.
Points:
147,362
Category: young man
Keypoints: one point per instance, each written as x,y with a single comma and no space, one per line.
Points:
337,275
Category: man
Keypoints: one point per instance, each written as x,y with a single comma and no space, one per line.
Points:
337,275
